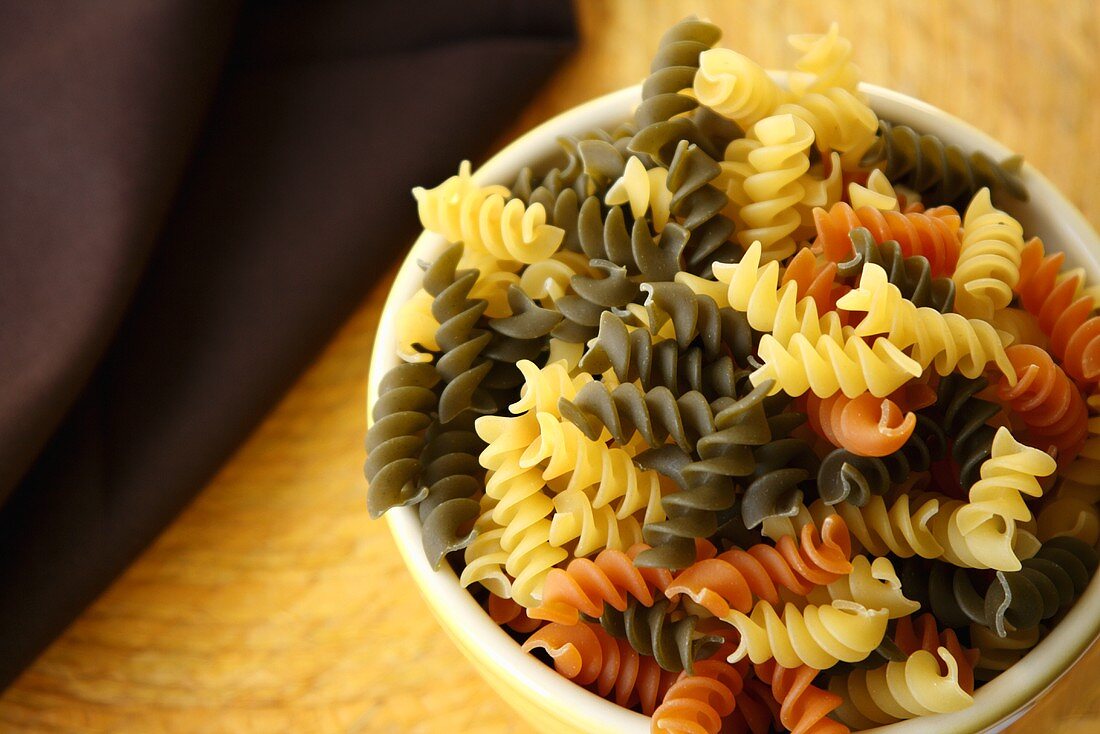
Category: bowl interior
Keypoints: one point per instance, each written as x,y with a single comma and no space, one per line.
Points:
1047,214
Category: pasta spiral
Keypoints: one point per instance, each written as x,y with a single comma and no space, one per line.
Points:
1063,312
813,279
463,366
831,364
840,120
626,411
776,151
1046,584
941,171
847,477
865,425
586,585
664,633
735,86
949,342
485,556
591,298
872,584
638,355
826,62
706,487
698,205
461,211
1047,402
933,235
902,690
911,275
607,237
989,261
735,578
752,288
453,479
922,633
805,708
590,657
393,469
576,517
644,191
522,510
818,636
696,704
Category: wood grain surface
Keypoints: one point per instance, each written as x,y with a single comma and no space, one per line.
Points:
274,604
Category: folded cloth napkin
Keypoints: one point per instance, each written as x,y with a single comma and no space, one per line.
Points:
192,197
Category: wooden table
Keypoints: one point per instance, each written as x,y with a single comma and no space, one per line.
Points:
274,604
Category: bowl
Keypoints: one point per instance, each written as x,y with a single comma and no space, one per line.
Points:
554,704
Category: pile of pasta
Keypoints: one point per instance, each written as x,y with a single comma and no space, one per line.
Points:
756,413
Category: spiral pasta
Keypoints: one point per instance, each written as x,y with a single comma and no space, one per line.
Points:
840,121
697,703
735,578
830,364
395,439
586,585
590,657
938,170
1047,402
870,583
818,636
523,507
898,691
461,211
644,191
1064,313
989,260
826,62
804,707
776,152
813,279
605,233
949,342
735,86
453,480
932,234
865,425
667,634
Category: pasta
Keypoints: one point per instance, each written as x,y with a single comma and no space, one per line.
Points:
898,691
911,275
818,636
462,211
591,657
453,479
989,260
668,636
1046,402
697,703
1064,313
804,706
932,234
733,579
938,170
735,86
948,342
776,152
395,439
727,414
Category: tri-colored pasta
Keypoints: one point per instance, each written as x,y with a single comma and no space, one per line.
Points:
756,412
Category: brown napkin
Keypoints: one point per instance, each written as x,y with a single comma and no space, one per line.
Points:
192,197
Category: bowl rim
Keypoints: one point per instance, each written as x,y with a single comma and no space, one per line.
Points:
997,703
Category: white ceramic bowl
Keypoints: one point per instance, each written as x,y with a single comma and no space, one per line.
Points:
554,704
